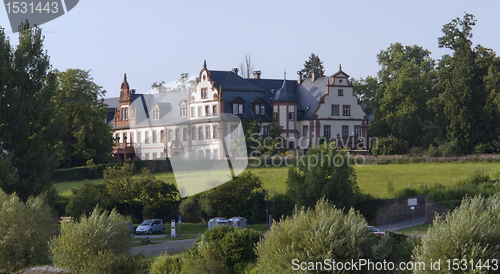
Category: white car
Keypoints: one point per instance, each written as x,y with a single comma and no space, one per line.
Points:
375,231
150,227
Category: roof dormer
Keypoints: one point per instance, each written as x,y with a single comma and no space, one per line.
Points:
340,78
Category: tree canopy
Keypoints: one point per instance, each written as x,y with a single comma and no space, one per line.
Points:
313,64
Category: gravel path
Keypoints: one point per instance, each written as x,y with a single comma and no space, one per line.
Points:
168,246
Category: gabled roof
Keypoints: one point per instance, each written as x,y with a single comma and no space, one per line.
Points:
340,73
230,81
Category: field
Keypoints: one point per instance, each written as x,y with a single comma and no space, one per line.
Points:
373,179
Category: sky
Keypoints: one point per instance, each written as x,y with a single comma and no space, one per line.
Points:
155,41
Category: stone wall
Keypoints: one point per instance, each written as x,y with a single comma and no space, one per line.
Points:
399,211
441,208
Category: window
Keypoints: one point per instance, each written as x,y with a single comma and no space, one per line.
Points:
265,131
192,112
146,137
124,114
155,136
183,112
276,116
207,110
177,134
117,138
124,137
216,132
146,156
326,131
162,155
257,109
234,132
139,137
341,92
155,155
335,110
169,135
214,110
207,154
216,154
207,132
346,110
132,137
357,131
156,114
185,134
345,131
200,133
290,116
193,133
305,131
204,94
262,110
291,145
162,136
237,108
199,111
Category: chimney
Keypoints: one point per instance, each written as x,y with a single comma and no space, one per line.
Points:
256,74
235,70
314,75
299,75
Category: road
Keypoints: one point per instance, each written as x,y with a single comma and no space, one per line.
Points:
402,224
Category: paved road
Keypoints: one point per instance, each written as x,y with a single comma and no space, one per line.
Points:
402,224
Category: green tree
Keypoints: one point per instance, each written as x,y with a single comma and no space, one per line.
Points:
366,89
26,230
313,235
102,236
87,197
313,64
462,79
87,135
30,127
241,196
399,105
471,232
323,173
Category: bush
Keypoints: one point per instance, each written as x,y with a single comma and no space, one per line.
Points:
471,232
393,247
110,263
223,249
88,196
166,264
390,145
100,236
26,229
312,236
190,210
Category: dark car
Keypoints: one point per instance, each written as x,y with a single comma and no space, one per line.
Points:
374,230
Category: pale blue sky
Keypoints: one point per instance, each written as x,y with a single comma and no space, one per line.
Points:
158,40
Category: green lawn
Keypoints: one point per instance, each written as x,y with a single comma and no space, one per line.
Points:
418,229
372,179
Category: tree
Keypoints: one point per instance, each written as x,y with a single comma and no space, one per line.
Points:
241,196
27,228
324,173
30,127
366,90
87,197
314,64
314,235
246,67
183,84
87,135
462,79
406,85
471,233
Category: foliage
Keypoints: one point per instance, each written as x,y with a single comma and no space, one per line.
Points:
26,229
226,249
389,145
87,197
269,144
110,263
183,84
313,235
313,64
325,173
393,247
102,236
241,196
166,264
471,232
189,209
30,126
87,135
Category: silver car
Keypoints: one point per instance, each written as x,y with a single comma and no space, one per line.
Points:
150,227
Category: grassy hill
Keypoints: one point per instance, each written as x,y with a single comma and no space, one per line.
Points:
372,179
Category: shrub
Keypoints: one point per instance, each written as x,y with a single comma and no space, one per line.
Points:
390,145
406,192
88,196
190,210
223,249
166,264
26,229
471,232
100,236
110,263
312,235
393,247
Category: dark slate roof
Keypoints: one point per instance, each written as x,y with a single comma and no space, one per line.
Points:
229,80
284,94
308,95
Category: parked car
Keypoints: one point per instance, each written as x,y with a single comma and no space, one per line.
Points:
150,227
374,230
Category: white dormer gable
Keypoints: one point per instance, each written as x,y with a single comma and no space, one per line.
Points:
340,78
